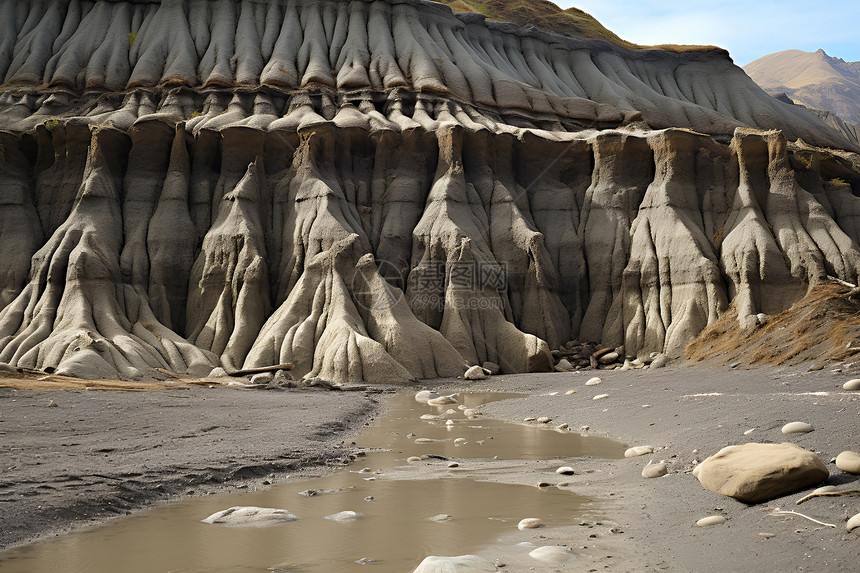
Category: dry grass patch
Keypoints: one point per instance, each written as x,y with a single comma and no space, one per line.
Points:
823,326
544,14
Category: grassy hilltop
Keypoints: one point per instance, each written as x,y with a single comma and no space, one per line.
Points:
544,14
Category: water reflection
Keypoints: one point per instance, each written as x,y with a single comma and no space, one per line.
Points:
394,533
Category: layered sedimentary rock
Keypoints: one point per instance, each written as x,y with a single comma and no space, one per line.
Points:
383,190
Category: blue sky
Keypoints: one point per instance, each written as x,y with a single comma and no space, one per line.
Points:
749,29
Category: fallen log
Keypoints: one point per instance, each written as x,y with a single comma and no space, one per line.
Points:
261,370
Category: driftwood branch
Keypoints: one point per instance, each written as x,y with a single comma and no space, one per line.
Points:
825,493
250,371
840,281
778,511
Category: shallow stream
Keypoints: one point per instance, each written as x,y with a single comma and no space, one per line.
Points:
392,534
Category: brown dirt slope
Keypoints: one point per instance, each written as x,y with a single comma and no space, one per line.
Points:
544,14
823,326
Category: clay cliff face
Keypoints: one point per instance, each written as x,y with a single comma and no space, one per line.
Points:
382,191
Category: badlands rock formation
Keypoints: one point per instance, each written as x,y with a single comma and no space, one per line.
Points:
382,190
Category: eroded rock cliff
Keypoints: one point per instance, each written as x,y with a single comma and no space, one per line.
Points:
382,191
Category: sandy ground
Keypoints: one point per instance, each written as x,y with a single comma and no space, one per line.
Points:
101,454
652,521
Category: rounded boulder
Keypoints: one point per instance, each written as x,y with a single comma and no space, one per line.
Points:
754,472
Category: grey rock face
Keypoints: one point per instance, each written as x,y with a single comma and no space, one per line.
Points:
241,205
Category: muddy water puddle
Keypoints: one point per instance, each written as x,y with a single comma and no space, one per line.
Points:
393,532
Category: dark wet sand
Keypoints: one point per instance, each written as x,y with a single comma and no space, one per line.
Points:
98,455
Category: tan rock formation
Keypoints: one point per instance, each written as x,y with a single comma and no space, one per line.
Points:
379,190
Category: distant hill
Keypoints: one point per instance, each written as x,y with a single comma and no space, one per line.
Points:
813,79
544,14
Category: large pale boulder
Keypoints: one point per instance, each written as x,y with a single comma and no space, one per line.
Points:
753,473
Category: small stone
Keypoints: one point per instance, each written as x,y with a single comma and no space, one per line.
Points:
551,554
569,392
852,385
848,462
584,428
425,395
52,404
263,379
461,564
565,471
218,372
469,413
608,358
600,397
638,451
544,420
750,431
492,367
767,535
475,373
529,419
530,523
593,381
250,516
429,417
442,400
564,366
660,361
282,379
654,470
646,405
825,489
853,523
442,517
458,441
413,459
453,465
449,422
562,427
797,428
369,498
343,516
712,520
541,484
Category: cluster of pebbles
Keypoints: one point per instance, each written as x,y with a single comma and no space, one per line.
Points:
790,473
577,355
